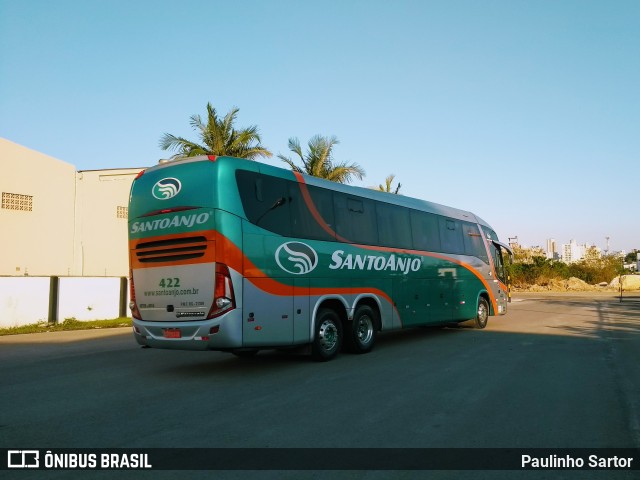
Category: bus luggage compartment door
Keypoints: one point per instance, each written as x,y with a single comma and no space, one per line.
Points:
411,297
268,315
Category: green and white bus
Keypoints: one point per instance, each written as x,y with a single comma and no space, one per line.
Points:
236,255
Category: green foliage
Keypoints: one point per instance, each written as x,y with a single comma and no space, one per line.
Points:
319,162
219,137
387,187
541,271
67,324
70,322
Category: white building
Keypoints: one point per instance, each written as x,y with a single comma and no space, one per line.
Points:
572,252
552,249
56,221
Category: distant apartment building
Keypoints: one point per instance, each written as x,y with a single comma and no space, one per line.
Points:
573,252
57,221
552,249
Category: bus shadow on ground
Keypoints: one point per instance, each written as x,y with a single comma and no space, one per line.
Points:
603,318
392,343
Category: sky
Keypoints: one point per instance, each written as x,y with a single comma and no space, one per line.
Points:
526,113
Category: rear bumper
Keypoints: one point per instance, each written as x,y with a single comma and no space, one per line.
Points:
221,333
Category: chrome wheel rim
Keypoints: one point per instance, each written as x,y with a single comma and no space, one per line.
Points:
483,313
328,334
364,330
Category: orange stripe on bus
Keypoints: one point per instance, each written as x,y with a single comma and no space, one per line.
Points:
249,270
314,211
316,215
223,250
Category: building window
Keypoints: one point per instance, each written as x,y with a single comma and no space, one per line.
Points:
122,212
16,201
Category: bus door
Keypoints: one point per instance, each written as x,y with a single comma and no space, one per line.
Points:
268,317
498,259
496,248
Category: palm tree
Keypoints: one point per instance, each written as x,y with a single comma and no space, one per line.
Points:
218,137
387,185
319,162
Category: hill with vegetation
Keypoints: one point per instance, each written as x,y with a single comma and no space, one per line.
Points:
536,273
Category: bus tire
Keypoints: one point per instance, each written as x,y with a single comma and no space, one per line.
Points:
327,338
361,337
482,316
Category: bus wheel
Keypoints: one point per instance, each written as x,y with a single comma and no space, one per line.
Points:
482,317
327,339
362,335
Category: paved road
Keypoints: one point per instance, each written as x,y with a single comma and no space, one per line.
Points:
557,371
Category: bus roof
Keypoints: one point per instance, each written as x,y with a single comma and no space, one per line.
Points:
410,202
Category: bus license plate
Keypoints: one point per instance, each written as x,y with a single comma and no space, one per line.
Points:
172,333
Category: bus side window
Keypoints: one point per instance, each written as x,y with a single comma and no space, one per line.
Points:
451,236
394,226
355,219
265,201
305,223
258,188
425,231
473,243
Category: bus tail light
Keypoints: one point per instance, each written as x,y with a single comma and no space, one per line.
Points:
133,306
223,296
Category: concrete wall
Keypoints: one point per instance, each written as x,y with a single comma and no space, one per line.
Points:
23,300
26,300
102,198
76,224
38,241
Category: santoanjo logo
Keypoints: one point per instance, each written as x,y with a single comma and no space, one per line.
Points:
342,261
296,257
166,188
177,221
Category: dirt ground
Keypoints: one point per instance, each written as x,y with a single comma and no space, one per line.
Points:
630,283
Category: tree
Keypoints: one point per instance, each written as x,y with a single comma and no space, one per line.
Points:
387,185
319,162
218,137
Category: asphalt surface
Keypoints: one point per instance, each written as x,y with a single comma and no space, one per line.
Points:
559,371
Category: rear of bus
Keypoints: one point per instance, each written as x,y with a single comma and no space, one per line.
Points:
182,297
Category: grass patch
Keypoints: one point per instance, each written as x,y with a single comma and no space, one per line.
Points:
67,324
